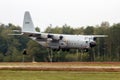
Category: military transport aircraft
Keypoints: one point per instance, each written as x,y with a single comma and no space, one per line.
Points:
58,41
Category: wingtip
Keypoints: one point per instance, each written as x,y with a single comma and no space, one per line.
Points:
101,35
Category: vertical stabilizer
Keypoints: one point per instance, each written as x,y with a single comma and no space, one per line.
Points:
27,23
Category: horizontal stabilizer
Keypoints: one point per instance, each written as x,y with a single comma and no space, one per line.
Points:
16,30
16,34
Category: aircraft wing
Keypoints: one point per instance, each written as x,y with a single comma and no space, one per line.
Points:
100,35
29,32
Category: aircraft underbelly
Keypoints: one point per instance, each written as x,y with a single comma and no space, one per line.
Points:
49,44
77,44
43,43
54,45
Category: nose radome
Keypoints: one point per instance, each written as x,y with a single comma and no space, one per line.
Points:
92,44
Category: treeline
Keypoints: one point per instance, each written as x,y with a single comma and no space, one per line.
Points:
107,49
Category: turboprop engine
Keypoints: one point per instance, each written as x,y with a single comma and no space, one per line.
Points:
55,37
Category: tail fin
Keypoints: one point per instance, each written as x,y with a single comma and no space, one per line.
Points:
28,25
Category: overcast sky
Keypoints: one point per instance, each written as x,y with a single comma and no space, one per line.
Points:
75,13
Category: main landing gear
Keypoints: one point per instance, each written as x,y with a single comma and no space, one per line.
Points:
50,54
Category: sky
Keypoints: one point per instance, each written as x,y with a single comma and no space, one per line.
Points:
75,13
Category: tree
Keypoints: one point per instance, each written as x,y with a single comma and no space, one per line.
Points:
89,30
115,40
67,29
37,29
34,49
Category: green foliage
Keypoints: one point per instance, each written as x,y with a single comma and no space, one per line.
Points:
37,29
67,29
89,30
71,57
1,57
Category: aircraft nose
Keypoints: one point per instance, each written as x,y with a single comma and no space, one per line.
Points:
92,44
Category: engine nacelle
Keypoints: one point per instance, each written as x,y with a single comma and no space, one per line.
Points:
44,36
55,37
62,44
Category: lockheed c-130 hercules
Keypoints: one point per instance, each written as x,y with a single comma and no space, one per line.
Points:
57,41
